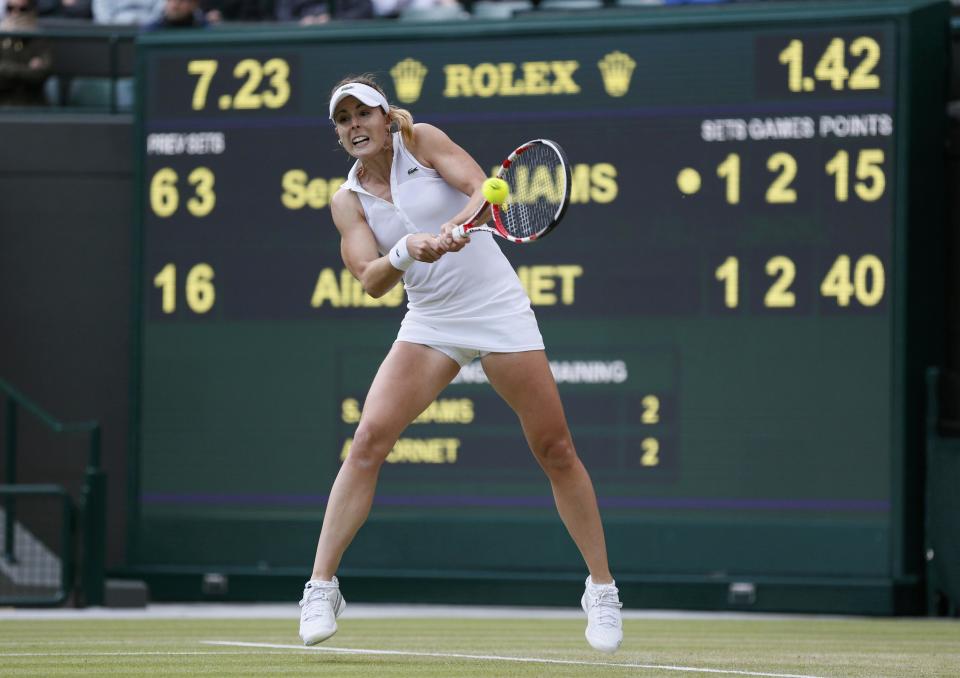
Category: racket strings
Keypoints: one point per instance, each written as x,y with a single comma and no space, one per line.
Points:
537,180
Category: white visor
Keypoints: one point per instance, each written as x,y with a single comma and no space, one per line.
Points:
363,93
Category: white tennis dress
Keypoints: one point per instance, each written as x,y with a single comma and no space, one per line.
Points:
471,299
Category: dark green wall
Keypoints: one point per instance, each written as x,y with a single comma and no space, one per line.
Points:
66,206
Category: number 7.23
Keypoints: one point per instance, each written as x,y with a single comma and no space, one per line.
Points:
254,85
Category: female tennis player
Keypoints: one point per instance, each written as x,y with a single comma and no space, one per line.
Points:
410,186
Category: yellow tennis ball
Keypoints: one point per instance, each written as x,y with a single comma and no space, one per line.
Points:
495,191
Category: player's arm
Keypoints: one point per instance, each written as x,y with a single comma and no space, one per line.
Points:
457,167
358,247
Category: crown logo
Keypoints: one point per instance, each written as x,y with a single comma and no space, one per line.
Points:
616,69
408,78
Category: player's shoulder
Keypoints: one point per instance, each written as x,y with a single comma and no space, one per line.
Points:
430,143
343,197
343,205
426,134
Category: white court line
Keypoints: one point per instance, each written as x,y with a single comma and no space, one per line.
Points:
127,654
523,660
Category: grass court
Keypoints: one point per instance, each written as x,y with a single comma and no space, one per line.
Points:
731,646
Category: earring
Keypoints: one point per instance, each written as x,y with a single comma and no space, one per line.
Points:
340,141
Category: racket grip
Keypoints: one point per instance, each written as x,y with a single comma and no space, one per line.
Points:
459,232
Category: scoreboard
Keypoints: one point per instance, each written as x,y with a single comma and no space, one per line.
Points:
733,308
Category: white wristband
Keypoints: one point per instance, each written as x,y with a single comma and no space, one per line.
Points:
400,257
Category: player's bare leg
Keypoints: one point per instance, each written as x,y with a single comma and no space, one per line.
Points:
525,381
393,401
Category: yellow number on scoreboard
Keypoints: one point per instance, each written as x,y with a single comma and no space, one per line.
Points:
201,204
166,280
780,191
205,70
792,58
866,283
165,197
651,409
872,180
278,71
863,76
729,170
729,274
651,452
779,294
250,73
831,67
200,292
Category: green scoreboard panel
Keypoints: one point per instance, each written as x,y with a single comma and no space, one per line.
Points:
728,307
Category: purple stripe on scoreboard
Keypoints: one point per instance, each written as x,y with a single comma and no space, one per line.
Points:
253,499
753,108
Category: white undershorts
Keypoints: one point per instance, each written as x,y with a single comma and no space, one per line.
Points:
462,356
465,340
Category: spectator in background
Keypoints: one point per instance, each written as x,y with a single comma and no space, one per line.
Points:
320,11
352,9
305,12
24,61
130,12
65,9
179,14
218,11
391,9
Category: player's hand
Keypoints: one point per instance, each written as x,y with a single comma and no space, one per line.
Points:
425,247
448,241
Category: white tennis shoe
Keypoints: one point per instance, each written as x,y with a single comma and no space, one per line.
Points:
320,606
602,604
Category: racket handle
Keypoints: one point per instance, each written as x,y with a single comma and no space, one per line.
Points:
459,232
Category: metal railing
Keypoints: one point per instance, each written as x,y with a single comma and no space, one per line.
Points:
31,573
92,496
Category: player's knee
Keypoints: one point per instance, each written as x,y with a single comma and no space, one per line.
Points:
556,455
368,449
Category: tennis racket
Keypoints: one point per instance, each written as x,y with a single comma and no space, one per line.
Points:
538,175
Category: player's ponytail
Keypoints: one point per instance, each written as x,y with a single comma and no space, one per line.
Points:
401,121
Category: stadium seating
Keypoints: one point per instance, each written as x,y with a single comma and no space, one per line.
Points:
440,13
502,9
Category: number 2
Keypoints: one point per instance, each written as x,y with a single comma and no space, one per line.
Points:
780,191
779,294
651,452
651,409
246,95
